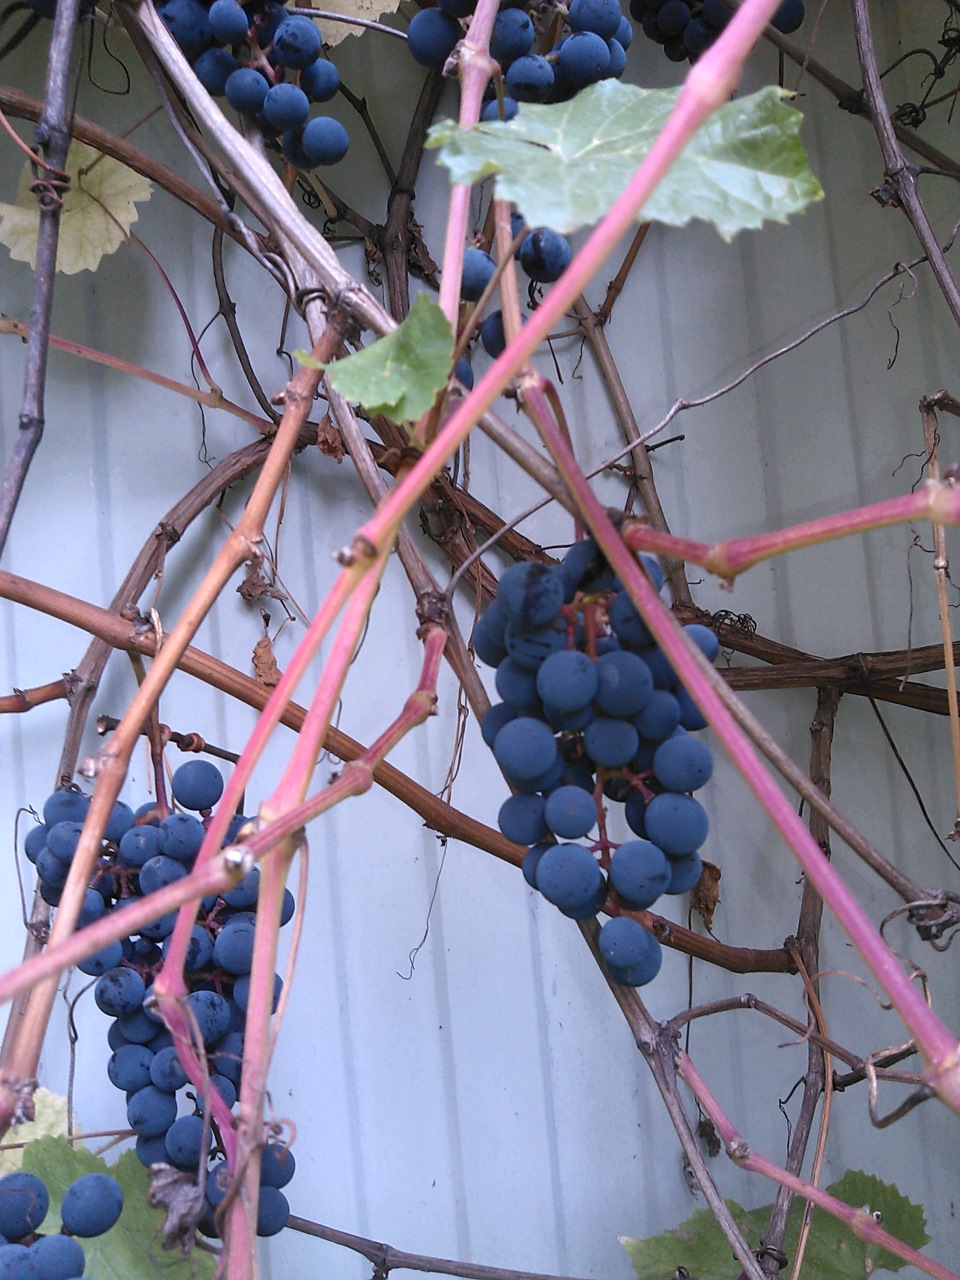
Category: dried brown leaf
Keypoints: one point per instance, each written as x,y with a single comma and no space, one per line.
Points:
265,667
329,439
706,894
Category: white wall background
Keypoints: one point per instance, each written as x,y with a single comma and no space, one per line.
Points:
492,1105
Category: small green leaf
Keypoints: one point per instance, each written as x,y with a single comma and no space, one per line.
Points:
564,165
305,358
401,374
132,1248
833,1252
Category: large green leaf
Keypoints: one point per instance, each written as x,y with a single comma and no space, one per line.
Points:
564,165
833,1252
400,375
131,1250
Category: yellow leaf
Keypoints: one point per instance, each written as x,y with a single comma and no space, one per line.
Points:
98,211
50,1119
334,32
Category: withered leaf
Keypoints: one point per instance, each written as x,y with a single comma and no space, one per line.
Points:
706,893
329,440
265,664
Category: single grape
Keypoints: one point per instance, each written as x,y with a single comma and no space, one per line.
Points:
91,1205
246,90
119,992
525,748
160,871
584,58
228,1058
624,683
58,1257
463,372
138,845
492,334
521,819
273,1208
631,954
529,78
599,16
529,646
166,1070
320,80
431,37
228,22
673,17
286,106
24,1201
128,1068
241,992
532,593
62,840
618,60
296,43
65,806
184,1142
212,1013
789,16
98,964
584,568
491,109
478,270
685,873
198,784
659,718
16,1261
512,37
683,763
277,1165
180,837
325,140
151,1112
517,686
545,255
35,840
243,896
233,946
675,823
570,812
639,872
189,24
568,876
609,742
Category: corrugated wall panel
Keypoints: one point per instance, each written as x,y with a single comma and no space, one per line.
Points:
486,1101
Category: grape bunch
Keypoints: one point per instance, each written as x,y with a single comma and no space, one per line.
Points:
593,709
91,1205
140,853
687,28
246,54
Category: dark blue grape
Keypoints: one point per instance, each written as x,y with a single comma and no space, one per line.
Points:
624,683
16,1261
233,946
789,16
530,78
212,1013
618,60
152,1150
521,819
610,743
639,872
545,255
685,873
325,140
532,593
198,784
181,836
58,1257
273,1208
243,896
138,845
691,717
515,685
570,812
297,42
677,824
35,840
498,715
660,717
627,623
631,954
286,106
51,870
189,24
512,37
92,908
698,36
166,1070
228,1058
98,964
683,763
119,822
320,81
491,109
525,748
568,876
431,37
241,992
530,646
584,568
119,992
463,372
65,806
228,21
246,90
137,1027
277,1165
624,33
287,908
584,58
128,1067
634,807
673,17
151,1112
62,840
705,640
478,270
531,861
160,871
567,721
91,1205
716,14
199,950
600,16
226,1089
488,635
492,334
184,1142
24,1201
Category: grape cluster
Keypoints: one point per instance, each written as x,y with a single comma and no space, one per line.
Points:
91,1205
593,709
245,52
687,28
142,852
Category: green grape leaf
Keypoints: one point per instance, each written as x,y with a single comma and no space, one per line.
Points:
98,211
564,165
134,1247
50,1112
833,1251
371,10
401,374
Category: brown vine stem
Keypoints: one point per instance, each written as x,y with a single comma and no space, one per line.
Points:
616,285
592,326
212,399
860,1221
228,310
438,815
818,1072
900,185
110,768
53,136
941,572
386,1258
